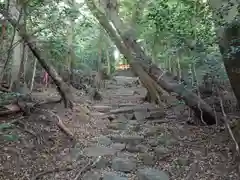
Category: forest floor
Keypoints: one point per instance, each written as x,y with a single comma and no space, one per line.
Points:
144,142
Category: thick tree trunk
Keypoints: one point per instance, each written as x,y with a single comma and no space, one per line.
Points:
230,49
70,38
18,51
140,61
227,24
62,87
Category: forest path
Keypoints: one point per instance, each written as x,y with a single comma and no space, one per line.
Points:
144,142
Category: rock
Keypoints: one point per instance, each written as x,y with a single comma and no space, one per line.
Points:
132,148
129,116
151,174
136,148
123,165
117,126
102,108
102,163
166,140
76,153
182,161
152,142
118,146
124,92
91,175
134,126
127,155
134,122
104,141
141,115
122,118
161,151
154,130
128,139
95,151
147,159
94,94
157,114
113,176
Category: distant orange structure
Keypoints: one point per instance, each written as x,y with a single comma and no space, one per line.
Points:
123,66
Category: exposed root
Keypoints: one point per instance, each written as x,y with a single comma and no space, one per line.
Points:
87,167
27,108
229,128
3,89
24,128
60,124
130,110
51,171
10,109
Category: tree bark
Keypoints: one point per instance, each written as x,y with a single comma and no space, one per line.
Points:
141,64
70,38
227,24
33,74
18,51
62,87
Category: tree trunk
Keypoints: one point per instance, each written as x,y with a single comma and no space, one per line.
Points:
109,64
100,50
62,87
141,64
226,16
19,48
70,37
21,73
33,74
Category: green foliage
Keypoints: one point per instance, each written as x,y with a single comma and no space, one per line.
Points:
168,28
5,126
5,98
8,136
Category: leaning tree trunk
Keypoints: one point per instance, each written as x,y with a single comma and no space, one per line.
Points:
62,87
140,62
227,23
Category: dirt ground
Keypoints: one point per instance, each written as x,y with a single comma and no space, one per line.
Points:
135,141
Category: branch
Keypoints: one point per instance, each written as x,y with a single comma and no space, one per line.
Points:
62,88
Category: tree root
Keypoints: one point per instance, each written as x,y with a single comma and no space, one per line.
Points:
60,123
130,110
51,171
87,167
3,89
229,128
18,105
28,108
